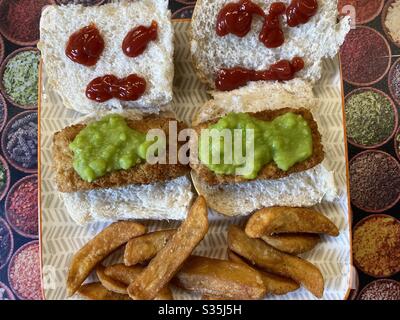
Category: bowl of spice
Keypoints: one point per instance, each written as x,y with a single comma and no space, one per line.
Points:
3,112
4,177
374,181
394,81
19,20
19,74
21,207
383,289
371,118
397,143
376,245
24,272
365,56
390,21
6,243
83,2
5,293
1,49
366,10
19,141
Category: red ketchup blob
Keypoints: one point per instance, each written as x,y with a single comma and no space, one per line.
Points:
236,18
107,87
271,34
85,46
301,11
283,70
136,41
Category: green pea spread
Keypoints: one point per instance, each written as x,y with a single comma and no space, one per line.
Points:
107,145
286,140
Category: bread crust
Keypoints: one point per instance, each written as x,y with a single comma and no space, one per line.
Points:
68,180
269,171
194,57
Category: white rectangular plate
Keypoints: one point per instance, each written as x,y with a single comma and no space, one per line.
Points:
61,237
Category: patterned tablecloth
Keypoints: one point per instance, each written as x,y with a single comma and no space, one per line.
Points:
370,66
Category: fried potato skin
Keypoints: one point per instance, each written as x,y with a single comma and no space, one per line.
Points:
275,261
273,283
209,297
109,283
163,267
144,248
273,220
96,291
69,181
126,275
122,273
293,243
221,278
270,171
97,249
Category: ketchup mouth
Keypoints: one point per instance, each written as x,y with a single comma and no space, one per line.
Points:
107,87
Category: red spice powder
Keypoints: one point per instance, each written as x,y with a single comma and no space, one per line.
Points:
20,19
365,56
24,272
366,10
22,211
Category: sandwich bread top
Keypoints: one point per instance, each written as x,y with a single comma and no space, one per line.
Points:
113,21
318,38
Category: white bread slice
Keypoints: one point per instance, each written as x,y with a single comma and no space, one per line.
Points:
303,189
320,38
114,21
258,96
160,201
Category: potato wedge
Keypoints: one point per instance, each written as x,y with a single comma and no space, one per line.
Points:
96,291
127,275
122,273
275,261
274,284
220,278
97,249
208,297
269,221
169,259
144,248
293,243
109,283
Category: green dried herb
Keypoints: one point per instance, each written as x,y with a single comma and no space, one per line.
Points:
369,118
2,176
20,78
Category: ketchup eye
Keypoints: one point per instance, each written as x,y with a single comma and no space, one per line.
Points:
85,46
136,41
